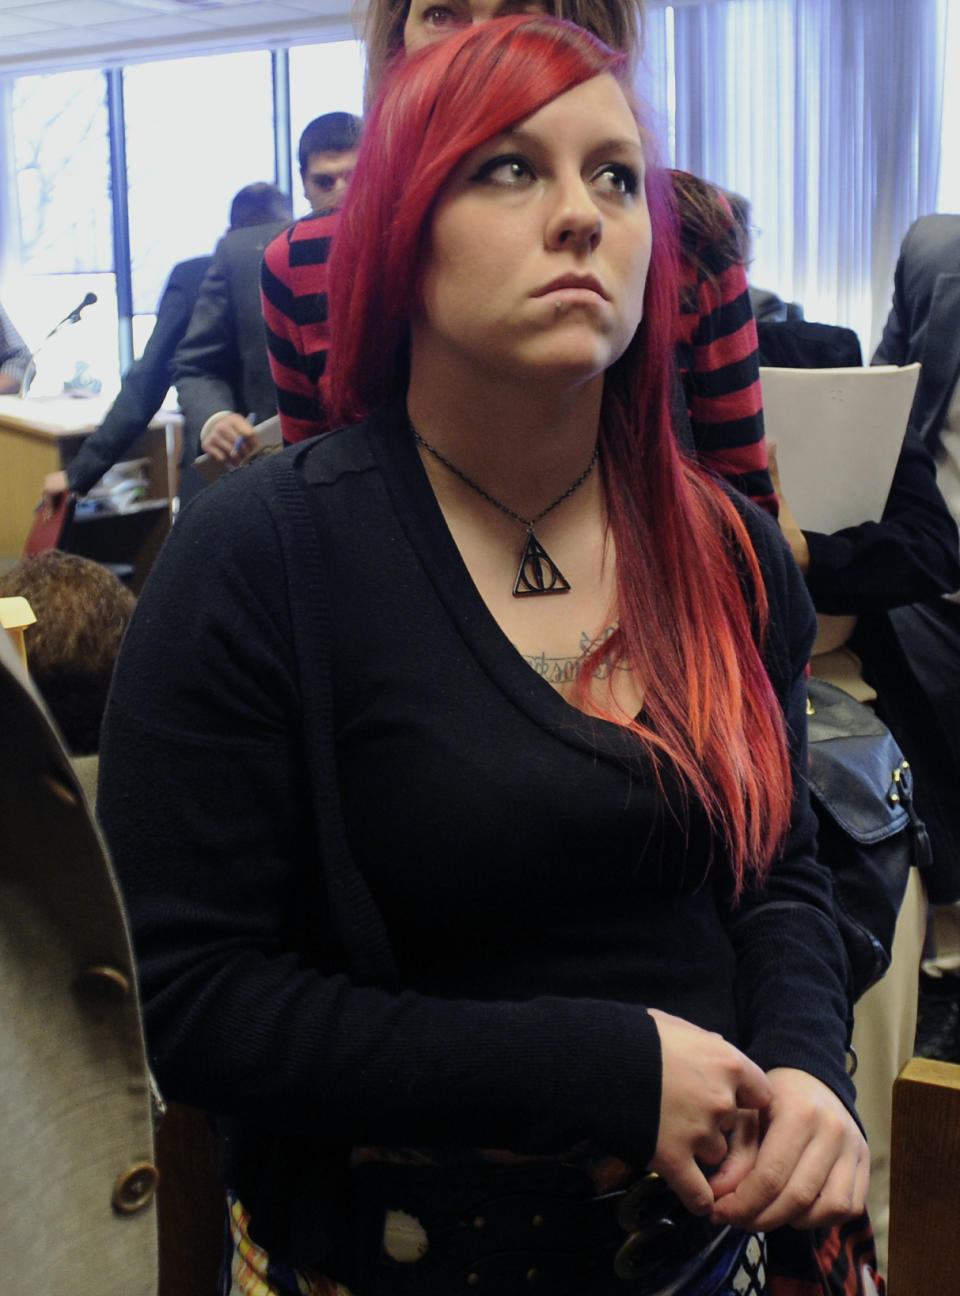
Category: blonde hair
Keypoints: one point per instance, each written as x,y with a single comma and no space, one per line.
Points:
618,23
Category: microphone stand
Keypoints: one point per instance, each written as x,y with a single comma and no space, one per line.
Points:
73,318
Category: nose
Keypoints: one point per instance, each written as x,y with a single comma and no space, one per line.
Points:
576,222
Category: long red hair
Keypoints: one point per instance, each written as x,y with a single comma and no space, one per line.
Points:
682,550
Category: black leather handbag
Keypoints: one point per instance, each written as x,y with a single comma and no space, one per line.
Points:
870,836
422,1230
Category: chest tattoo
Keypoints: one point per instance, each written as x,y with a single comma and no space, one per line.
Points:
564,670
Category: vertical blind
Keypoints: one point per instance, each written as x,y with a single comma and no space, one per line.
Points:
828,117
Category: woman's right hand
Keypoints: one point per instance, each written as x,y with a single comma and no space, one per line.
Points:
707,1085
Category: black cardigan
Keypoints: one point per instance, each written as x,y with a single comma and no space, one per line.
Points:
287,998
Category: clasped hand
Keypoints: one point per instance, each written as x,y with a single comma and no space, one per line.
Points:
785,1148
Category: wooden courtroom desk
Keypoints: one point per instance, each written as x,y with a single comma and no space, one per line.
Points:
39,435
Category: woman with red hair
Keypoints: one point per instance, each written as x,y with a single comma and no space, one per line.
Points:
714,333
465,836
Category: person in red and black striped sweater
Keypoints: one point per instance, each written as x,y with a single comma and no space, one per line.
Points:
293,282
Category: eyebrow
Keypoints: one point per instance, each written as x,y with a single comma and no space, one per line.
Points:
614,142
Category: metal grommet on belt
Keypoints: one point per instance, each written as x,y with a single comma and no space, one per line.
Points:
134,1188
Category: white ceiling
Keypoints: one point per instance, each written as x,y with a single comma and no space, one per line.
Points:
71,33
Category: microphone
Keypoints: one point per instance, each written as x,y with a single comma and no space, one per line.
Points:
73,318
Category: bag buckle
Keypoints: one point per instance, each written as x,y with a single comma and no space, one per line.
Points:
659,1242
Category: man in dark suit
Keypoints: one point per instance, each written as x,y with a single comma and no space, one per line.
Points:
924,322
924,698
148,379
222,367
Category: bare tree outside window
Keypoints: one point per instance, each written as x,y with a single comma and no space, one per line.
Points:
63,173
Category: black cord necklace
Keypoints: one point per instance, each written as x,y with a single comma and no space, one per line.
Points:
537,573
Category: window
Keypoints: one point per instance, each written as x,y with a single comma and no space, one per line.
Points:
61,151
833,117
197,130
948,198
63,169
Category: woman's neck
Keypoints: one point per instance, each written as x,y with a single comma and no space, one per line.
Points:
524,443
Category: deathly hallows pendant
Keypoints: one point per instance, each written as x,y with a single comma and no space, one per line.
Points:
538,573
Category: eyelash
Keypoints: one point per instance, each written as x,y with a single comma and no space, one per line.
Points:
488,169
625,177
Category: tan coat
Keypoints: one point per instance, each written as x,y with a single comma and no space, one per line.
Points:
76,1149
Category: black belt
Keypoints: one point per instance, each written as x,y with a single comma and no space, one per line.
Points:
511,1229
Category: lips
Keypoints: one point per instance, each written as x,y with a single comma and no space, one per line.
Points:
585,283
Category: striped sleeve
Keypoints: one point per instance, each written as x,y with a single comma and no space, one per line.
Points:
720,369
293,282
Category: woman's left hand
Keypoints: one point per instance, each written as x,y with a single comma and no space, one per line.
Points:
810,1166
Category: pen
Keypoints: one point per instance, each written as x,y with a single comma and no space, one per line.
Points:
241,440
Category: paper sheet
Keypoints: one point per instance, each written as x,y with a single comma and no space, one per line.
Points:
838,434
16,615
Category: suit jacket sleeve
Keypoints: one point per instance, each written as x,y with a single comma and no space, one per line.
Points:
141,393
908,556
894,343
207,362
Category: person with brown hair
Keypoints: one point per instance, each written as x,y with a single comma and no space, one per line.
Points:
82,610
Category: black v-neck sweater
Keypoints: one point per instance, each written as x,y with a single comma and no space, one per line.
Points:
386,885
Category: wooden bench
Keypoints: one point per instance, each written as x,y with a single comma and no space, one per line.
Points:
925,1181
